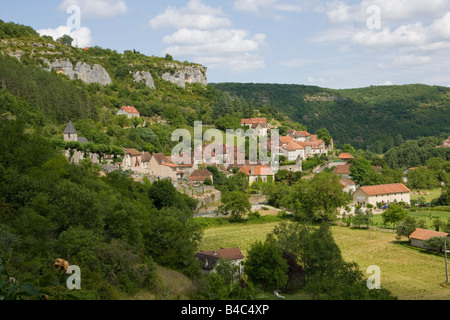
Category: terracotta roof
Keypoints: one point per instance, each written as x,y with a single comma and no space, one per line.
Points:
259,170
132,152
230,253
200,175
385,189
253,121
160,158
423,234
146,157
346,156
130,110
290,145
344,169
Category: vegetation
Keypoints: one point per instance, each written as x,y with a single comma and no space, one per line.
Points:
111,227
356,116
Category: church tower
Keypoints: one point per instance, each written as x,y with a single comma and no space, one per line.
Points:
70,134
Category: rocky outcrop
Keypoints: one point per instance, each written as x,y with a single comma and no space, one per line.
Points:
83,71
146,77
187,74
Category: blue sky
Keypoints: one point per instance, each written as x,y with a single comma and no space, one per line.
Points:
334,44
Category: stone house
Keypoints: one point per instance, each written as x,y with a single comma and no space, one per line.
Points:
132,158
71,135
199,176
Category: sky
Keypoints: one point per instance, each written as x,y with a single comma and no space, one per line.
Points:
334,44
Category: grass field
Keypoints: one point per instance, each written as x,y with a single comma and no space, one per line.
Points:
410,274
429,195
427,215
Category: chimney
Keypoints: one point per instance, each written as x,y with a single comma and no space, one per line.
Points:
253,171
215,252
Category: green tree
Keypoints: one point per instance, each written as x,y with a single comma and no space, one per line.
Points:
394,214
347,148
324,134
236,204
407,227
65,39
266,266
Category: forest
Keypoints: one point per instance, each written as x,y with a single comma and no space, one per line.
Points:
368,118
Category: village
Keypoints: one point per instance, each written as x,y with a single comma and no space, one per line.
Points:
196,181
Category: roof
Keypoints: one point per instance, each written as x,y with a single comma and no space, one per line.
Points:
347,182
253,121
385,189
423,234
200,175
132,152
146,157
130,110
344,169
259,170
82,140
160,158
209,259
345,156
70,129
291,145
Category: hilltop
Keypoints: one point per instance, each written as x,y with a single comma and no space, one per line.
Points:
367,117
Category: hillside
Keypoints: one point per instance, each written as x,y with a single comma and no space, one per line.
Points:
363,117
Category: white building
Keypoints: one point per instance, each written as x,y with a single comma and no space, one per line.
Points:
130,112
384,194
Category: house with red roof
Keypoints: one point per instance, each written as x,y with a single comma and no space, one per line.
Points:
130,112
257,173
209,260
419,236
384,194
164,168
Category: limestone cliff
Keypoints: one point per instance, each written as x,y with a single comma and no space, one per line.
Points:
146,77
83,71
186,74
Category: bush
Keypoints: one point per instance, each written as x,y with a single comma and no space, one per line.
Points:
254,215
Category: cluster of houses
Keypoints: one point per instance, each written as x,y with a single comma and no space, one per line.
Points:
445,144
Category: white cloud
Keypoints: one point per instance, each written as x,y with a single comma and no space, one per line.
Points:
387,83
253,6
205,35
97,8
82,37
413,34
411,60
269,7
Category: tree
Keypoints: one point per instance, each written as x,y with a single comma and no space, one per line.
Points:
317,199
394,214
347,148
360,169
407,227
65,39
422,178
324,134
236,204
266,266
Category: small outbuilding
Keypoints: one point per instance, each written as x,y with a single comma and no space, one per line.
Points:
419,236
